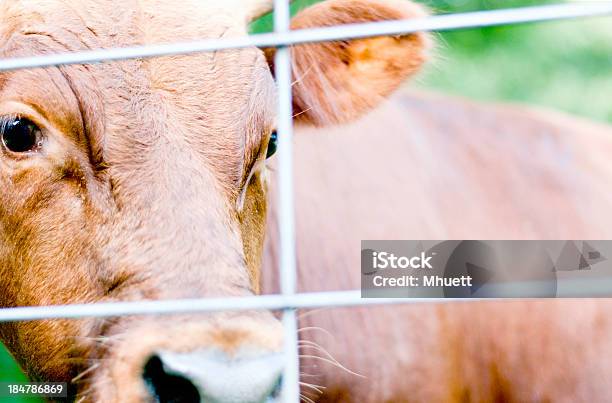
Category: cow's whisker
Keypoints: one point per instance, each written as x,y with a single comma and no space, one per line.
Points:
307,328
83,395
306,375
306,398
305,314
317,347
331,362
301,112
318,388
84,373
301,78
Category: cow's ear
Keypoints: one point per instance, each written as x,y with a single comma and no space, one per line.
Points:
336,82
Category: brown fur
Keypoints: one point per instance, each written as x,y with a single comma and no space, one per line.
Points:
425,166
142,188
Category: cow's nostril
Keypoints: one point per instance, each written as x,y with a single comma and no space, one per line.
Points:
210,375
167,387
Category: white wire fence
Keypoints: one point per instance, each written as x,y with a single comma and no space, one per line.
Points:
282,37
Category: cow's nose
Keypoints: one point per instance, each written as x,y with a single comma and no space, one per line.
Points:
213,377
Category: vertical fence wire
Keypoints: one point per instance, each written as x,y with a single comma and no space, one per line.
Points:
282,63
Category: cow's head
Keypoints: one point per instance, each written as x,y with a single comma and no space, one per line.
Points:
145,179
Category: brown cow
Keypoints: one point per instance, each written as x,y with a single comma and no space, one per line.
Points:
446,168
144,179
121,182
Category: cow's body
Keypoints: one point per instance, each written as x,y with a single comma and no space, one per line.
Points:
430,167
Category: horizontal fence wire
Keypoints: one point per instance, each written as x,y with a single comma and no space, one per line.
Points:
344,32
203,305
566,287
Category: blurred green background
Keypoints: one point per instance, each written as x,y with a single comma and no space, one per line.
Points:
565,65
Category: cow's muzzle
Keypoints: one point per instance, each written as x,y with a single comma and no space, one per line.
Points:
212,376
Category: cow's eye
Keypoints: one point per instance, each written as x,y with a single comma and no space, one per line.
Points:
20,135
272,144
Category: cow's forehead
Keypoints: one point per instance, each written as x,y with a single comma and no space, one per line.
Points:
126,20
223,100
73,25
